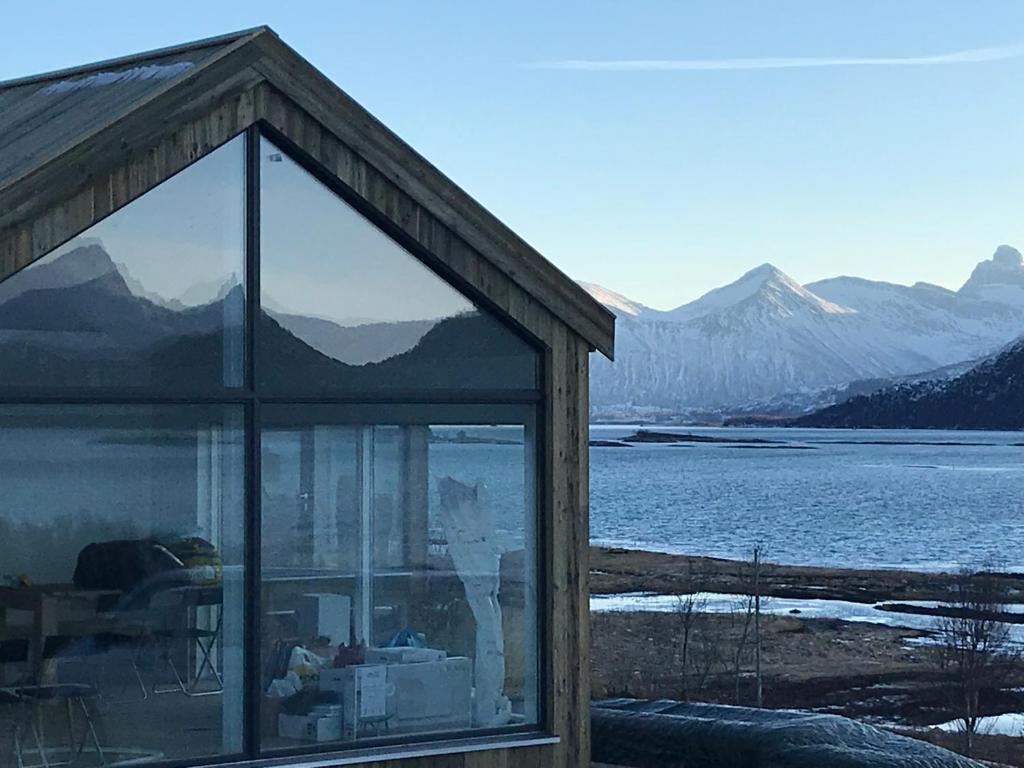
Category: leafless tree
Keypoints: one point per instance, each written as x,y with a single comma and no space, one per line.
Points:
697,639
756,578
974,647
719,644
747,617
743,621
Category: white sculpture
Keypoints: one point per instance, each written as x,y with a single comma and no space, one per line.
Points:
469,525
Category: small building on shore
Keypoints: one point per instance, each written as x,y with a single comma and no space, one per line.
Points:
293,434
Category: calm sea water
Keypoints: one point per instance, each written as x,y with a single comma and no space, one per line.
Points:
823,497
917,499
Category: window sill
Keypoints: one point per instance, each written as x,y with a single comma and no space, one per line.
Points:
412,751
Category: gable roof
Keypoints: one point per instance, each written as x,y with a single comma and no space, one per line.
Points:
51,123
43,115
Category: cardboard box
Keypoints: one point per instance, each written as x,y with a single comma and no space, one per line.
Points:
309,727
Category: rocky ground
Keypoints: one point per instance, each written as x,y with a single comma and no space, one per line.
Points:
880,674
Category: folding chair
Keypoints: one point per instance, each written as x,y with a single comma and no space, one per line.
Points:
72,696
202,640
13,652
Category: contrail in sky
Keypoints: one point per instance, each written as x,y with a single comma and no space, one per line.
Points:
970,56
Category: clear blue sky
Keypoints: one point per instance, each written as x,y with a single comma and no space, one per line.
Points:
662,183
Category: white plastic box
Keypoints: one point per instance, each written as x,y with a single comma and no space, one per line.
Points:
424,696
309,727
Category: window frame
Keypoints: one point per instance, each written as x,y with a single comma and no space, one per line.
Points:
249,398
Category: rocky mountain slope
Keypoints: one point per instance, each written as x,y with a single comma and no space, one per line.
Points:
765,336
988,396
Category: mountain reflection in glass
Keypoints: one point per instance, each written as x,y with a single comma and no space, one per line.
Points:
149,298
346,309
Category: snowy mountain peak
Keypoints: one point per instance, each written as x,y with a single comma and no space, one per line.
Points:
1008,256
766,271
1000,278
768,275
616,302
766,284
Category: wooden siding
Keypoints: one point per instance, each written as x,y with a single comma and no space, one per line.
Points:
232,106
567,556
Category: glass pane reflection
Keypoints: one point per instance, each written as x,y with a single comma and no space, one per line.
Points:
121,546
398,580
346,309
151,297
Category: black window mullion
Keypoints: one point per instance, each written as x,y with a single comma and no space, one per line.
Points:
252,695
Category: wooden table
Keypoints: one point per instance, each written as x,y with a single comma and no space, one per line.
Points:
50,606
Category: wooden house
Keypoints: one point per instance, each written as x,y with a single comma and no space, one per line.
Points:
293,434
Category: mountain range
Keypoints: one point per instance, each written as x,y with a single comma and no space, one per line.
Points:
764,344
765,338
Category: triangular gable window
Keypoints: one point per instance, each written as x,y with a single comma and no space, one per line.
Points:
345,309
150,298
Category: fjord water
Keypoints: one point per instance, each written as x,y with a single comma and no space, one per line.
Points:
918,499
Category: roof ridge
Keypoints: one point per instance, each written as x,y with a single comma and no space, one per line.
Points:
84,69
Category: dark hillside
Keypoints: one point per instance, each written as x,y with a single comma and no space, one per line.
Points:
988,396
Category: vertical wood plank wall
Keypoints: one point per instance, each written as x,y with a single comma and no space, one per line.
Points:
565,460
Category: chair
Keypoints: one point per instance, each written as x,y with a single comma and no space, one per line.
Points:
13,652
204,640
71,696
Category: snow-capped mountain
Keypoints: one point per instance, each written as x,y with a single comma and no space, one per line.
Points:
765,335
618,303
1001,278
768,283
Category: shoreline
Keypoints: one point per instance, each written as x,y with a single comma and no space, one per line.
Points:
762,423
883,673
619,570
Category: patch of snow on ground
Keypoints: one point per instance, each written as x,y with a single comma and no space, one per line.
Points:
805,608
1010,724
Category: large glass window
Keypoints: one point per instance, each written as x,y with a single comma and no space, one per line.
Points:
121,611
355,506
149,298
397,578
